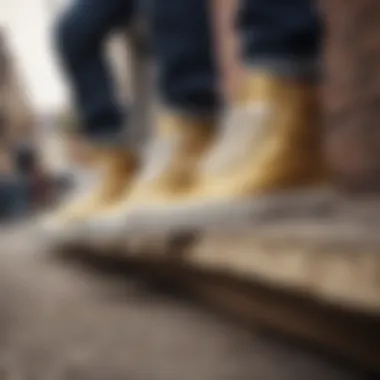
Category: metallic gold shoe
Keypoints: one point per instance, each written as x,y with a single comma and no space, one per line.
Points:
275,145
169,170
116,169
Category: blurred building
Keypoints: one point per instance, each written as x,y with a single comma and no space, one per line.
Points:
16,115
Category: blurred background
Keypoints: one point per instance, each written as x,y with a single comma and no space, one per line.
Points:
36,152
33,103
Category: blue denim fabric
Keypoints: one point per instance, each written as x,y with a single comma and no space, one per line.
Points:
80,35
181,37
280,35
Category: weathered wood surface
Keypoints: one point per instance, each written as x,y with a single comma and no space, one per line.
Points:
315,278
329,327
348,336
322,245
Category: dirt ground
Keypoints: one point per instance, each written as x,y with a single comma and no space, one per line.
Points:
59,322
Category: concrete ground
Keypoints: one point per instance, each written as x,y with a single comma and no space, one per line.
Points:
60,322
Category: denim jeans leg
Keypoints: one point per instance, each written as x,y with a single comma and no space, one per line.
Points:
282,36
80,37
182,43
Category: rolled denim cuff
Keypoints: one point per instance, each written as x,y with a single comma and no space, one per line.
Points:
106,139
306,69
192,112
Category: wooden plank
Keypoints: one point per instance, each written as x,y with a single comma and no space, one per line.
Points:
328,263
348,336
299,258
352,337
323,246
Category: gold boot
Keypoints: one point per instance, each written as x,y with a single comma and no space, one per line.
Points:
274,145
172,161
116,168
168,175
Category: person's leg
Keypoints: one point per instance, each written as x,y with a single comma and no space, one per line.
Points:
182,44
269,142
281,46
187,82
272,139
281,36
81,34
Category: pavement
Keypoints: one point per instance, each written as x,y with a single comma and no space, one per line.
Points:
60,321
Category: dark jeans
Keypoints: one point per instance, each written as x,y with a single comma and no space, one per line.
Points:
81,34
182,45
278,35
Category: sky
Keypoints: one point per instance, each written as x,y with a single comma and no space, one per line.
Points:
28,26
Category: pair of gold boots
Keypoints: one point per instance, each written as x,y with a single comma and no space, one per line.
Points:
269,142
